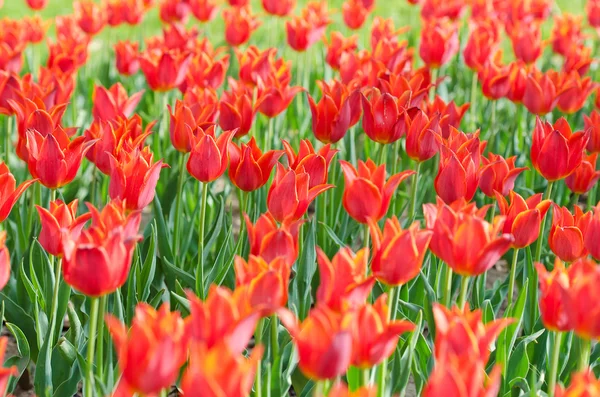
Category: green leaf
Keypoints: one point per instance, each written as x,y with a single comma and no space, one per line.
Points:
148,268
164,248
187,280
23,359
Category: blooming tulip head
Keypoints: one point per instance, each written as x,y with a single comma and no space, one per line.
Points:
164,69
279,8
567,33
450,114
555,150
483,38
383,117
592,125
583,383
112,103
398,254
575,90
422,136
203,10
239,25
305,30
60,219
338,45
90,16
498,174
367,194
152,351
276,96
495,78
582,297
553,286
9,192
592,233
567,233
126,57
237,109
584,178
439,42
526,41
209,155
523,217
541,92
354,13
270,241
249,167
315,163
343,282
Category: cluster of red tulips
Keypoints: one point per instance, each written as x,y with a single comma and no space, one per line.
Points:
359,261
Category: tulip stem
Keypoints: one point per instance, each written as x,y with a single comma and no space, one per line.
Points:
274,338
200,269
413,194
434,74
538,249
257,340
552,375
55,263
513,273
89,379
586,349
176,231
393,302
448,287
100,345
472,98
381,378
464,287
319,389
366,376
367,238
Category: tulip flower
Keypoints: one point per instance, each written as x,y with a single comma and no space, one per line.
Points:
383,118
90,16
237,110
439,42
126,57
5,373
583,179
98,261
323,340
592,234
567,33
495,78
301,33
256,65
518,82
218,320
374,336
463,239
249,167
578,60
593,13
133,178
354,13
59,220
450,114
205,72
164,70
341,390
337,111
422,136
239,25
203,10
583,383
367,194
383,28
541,93
219,372
343,281
580,304
567,232
112,103
209,154
276,97
498,174
398,254
10,85
174,11
9,192
482,41
458,377
526,39
270,241
262,286
523,217
315,164
278,8
554,286
437,9
186,118
130,12
37,4
338,45
203,103
575,92
555,150
152,351
4,276
54,159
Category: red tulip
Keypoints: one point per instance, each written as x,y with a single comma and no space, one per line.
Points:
592,233
462,377
541,93
302,32
439,42
450,114
495,78
343,281
237,109
239,25
164,70
583,179
593,13
483,38
338,45
498,174
206,72
578,59
279,8
575,92
152,351
383,117
553,287
555,150
249,167
354,13
126,57
174,11
567,232
10,86
367,194
422,136
567,33
270,241
463,239
398,254
112,103
59,220
437,9
585,383
90,16
518,82
209,155
37,4
4,277
130,12
383,28
98,261
315,164
526,38
9,192
523,217
374,335
582,299
203,10
203,103
256,65
276,96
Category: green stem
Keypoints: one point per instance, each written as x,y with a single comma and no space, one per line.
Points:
319,388
392,304
367,237
366,376
274,338
100,347
413,194
179,199
257,341
473,100
448,287
382,152
89,378
464,287
586,351
513,273
553,372
164,393
538,249
200,268
492,131
55,263
434,74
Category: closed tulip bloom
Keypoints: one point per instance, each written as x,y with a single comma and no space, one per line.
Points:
344,284
204,104
553,287
526,41
302,33
523,217
219,372
464,240
567,233
209,155
262,286
126,57
556,151
276,97
206,72
575,92
354,13
439,42
237,110
249,167
119,12
98,261
592,125
174,11
181,127
581,302
323,340
383,118
422,136
578,60
337,111
541,93
592,234
338,45
270,241
567,33
451,115
518,82
279,8
583,179
164,69
10,86
498,174
59,220
54,159
152,351
374,335
203,10
315,163
398,254
9,192
90,16
37,4
495,78
593,13
367,194
112,103
239,25
585,383
4,264
483,38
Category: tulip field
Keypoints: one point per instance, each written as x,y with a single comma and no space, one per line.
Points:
269,198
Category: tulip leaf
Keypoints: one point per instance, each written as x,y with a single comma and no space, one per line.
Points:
214,232
306,267
21,360
164,248
406,358
180,275
17,315
148,268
